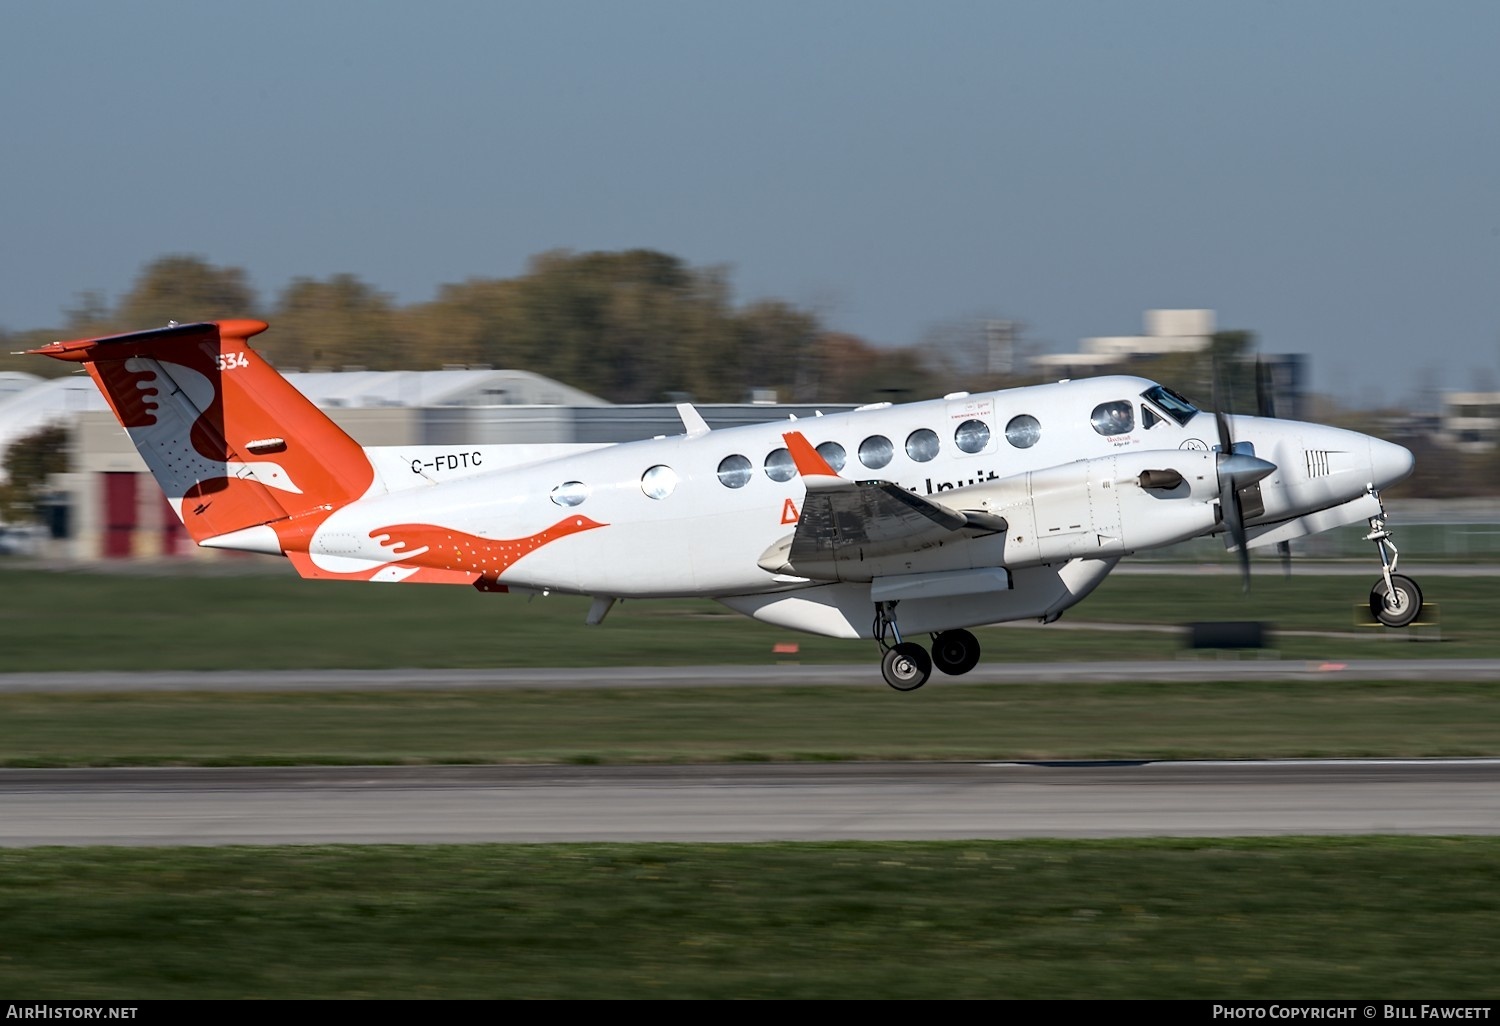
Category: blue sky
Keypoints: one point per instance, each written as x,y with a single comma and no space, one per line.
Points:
1324,173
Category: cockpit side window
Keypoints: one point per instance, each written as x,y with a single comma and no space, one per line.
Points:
1176,407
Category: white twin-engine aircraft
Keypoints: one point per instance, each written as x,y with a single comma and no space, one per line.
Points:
887,522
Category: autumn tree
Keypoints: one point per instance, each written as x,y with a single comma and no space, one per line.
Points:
777,346
469,323
184,289
336,323
632,326
29,464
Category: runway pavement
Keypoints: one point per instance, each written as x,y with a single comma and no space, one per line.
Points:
779,675
745,803
742,803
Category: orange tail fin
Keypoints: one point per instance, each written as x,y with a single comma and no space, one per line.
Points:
231,442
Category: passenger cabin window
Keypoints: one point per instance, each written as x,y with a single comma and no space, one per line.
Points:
659,482
876,451
734,471
570,493
1116,418
833,454
1023,431
780,466
922,445
972,436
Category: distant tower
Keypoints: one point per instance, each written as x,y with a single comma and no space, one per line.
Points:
1001,336
1288,383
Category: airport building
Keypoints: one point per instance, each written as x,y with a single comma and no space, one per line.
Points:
1470,421
1168,333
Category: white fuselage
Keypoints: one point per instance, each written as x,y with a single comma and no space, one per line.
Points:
701,526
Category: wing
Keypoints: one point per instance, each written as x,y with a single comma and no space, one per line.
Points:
844,519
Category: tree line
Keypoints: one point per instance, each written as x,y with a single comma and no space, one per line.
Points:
631,327
639,326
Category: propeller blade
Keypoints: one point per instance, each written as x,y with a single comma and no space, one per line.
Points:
1226,441
1234,522
1285,550
1265,393
1236,471
1213,387
1239,470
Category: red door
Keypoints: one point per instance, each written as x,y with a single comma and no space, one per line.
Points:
119,515
174,537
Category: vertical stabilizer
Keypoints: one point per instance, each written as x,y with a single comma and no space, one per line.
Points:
230,441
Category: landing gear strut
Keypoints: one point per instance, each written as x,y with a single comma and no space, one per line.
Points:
1395,600
905,665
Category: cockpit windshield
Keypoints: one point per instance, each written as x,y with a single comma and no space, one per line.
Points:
1174,405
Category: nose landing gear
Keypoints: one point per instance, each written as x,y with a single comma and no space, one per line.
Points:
1395,600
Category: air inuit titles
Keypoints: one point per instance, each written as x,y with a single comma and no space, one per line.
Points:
1351,1012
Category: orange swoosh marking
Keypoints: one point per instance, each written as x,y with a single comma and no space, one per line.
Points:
448,549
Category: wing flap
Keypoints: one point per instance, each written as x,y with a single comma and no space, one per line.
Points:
843,519
876,516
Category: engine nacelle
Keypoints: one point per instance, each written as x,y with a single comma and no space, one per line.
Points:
1100,507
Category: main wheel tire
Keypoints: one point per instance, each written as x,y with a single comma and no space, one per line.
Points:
955,652
1398,605
906,666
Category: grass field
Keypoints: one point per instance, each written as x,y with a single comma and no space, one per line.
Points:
1131,720
78,621
1356,918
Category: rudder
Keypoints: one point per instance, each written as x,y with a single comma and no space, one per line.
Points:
229,440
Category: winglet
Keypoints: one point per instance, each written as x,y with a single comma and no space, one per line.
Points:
810,463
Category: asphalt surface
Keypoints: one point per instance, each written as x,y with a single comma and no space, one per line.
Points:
1207,668
745,803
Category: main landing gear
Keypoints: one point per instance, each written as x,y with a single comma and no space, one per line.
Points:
1395,600
906,664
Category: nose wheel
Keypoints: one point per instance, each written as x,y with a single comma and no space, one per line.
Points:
1396,603
1395,600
